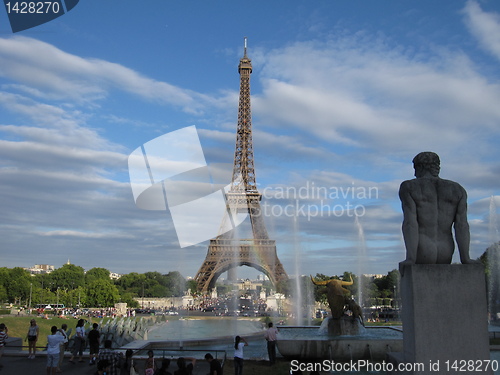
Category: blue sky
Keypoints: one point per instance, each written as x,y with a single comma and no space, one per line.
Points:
344,95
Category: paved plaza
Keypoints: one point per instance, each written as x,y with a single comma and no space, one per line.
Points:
21,365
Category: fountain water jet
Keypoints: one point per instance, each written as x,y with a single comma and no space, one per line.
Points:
493,253
298,287
361,259
493,221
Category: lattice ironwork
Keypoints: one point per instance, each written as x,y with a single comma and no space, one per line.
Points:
227,250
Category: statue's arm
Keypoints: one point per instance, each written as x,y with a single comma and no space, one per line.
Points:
462,232
410,223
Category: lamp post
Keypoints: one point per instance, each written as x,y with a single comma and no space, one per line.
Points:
143,295
31,293
43,291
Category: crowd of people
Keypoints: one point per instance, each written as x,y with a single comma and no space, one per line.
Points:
76,313
112,362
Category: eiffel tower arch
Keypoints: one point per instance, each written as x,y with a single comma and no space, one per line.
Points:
230,250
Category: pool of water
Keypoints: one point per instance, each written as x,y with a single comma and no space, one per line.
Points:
314,333
193,329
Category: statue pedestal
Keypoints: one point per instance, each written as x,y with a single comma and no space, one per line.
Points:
445,318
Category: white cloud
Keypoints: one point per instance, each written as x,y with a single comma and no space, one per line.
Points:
484,26
369,96
91,235
45,71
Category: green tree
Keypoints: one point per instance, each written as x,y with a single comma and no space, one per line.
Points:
157,277
192,286
43,296
283,287
96,273
76,297
157,291
387,285
18,285
128,298
354,288
3,294
101,293
69,276
133,283
4,275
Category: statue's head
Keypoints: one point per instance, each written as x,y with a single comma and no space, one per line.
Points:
426,162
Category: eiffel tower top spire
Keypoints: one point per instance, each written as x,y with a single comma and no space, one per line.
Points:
245,62
245,53
244,181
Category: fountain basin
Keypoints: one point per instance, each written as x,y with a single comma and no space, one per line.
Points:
193,334
204,329
309,343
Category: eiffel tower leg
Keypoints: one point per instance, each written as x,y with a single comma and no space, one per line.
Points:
226,254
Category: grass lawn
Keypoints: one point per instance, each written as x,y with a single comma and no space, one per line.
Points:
18,326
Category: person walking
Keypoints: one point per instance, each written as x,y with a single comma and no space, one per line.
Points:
239,343
271,337
79,342
32,338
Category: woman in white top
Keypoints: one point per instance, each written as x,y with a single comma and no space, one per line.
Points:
239,343
32,337
79,341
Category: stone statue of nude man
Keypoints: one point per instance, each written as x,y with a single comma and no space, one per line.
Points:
431,206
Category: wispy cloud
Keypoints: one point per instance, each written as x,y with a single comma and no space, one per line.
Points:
43,70
485,26
364,94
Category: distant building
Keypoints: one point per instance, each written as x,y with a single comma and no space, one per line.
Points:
374,276
245,285
40,269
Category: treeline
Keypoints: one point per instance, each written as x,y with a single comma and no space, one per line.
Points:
71,286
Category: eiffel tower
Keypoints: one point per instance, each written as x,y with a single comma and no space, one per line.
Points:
227,250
